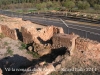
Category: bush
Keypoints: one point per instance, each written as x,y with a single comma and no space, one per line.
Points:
57,5
9,51
83,5
6,43
48,5
96,6
41,6
23,46
1,35
69,4
34,54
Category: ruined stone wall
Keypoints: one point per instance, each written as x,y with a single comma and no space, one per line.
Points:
39,35
9,32
57,29
84,44
64,40
27,34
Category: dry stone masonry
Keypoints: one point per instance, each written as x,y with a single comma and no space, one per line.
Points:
38,35
64,40
9,32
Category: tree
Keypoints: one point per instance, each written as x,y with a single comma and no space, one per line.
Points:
83,5
49,4
41,6
69,4
96,6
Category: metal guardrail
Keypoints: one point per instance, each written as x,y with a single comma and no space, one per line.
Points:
82,33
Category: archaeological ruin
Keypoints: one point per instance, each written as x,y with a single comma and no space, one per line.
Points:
51,40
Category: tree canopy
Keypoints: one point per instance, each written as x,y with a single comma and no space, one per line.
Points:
48,4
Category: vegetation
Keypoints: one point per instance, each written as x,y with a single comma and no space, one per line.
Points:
50,4
6,43
34,54
9,51
23,46
1,35
96,6
83,5
69,4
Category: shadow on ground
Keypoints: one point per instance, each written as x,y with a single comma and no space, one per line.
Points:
14,62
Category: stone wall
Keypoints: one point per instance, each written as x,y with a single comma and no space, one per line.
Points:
39,35
64,40
85,44
27,33
9,32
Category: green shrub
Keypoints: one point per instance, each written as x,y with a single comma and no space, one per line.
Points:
34,54
96,6
83,5
2,35
49,4
68,4
23,46
9,51
41,6
6,43
56,5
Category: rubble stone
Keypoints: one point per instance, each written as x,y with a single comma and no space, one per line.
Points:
30,48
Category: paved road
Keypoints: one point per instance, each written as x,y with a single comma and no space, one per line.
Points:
86,31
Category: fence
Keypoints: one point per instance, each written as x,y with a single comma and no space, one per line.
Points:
82,33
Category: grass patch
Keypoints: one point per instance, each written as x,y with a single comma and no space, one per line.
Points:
9,51
6,43
23,46
34,54
2,35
